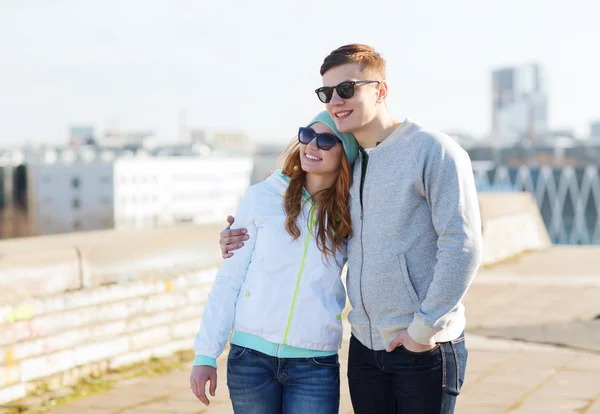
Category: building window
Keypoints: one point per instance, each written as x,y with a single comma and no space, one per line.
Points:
76,203
75,182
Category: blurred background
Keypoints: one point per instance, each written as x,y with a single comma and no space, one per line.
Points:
149,120
139,114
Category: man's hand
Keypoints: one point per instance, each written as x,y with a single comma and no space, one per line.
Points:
404,339
231,239
199,377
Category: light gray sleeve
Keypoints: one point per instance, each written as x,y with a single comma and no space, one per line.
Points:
449,186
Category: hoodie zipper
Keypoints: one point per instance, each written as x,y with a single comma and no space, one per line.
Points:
308,237
363,178
310,226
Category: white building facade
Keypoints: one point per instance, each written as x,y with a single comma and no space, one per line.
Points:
135,192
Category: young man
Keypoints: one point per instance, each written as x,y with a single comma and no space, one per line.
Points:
415,248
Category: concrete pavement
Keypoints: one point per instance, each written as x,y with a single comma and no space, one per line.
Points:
503,376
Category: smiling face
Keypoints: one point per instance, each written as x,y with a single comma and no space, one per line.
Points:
357,112
317,161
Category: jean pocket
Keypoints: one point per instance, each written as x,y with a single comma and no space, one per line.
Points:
236,352
327,361
424,353
454,355
459,339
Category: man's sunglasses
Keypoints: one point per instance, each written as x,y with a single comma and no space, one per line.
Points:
345,90
325,141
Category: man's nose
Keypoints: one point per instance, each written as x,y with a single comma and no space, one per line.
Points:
335,99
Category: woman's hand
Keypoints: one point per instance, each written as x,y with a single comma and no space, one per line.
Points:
199,377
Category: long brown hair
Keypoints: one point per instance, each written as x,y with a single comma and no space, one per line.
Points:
333,217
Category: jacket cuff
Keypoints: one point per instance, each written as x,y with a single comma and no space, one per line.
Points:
204,360
420,332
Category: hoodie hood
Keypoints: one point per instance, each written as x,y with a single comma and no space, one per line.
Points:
280,182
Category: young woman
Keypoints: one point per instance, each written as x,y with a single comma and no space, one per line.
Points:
281,294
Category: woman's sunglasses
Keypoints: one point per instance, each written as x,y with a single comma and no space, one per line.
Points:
345,90
325,141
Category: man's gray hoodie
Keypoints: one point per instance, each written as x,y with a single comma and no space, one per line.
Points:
416,241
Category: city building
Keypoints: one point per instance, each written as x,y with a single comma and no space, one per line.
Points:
595,130
13,196
67,195
227,141
568,196
519,106
114,138
81,135
462,138
267,158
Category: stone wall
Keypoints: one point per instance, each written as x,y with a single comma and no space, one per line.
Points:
74,304
115,325
511,225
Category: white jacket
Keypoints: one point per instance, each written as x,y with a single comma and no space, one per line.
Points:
277,288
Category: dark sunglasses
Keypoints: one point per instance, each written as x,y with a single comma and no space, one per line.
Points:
325,141
345,90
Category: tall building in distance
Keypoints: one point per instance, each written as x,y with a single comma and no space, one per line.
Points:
595,129
519,106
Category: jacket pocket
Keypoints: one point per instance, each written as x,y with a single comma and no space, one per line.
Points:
406,278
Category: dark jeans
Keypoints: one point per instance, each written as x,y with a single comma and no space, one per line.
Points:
404,382
262,384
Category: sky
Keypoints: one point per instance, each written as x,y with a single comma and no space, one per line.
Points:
254,65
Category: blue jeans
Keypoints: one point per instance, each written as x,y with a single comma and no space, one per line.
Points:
405,382
262,384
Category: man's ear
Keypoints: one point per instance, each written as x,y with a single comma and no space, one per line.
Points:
382,91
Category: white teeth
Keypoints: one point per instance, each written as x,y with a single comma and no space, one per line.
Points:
342,114
310,157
